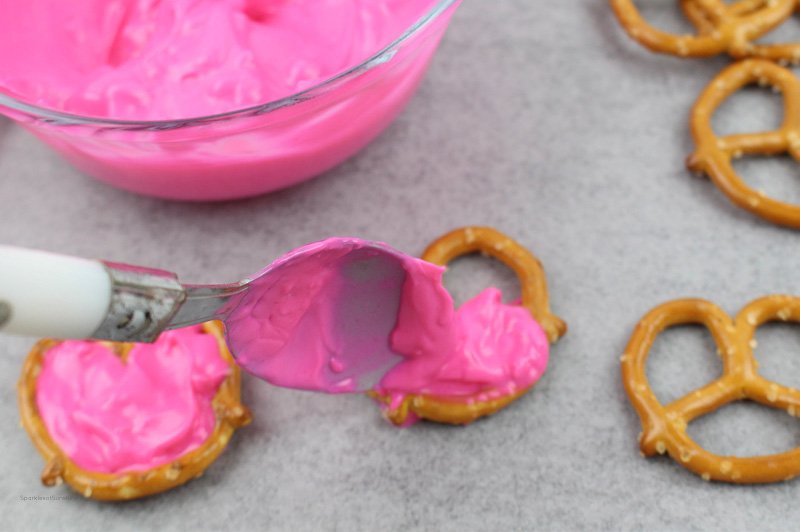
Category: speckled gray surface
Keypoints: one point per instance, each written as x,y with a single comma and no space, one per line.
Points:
546,122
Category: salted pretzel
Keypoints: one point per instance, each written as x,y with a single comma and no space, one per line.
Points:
721,27
713,155
529,271
664,426
229,411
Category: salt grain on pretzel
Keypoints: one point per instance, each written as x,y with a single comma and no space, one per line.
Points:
664,426
720,27
713,155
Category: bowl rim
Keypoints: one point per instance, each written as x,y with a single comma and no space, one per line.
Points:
383,55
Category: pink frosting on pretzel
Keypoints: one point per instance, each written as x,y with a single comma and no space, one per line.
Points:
111,416
484,350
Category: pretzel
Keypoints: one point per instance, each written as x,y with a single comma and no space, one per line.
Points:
721,27
529,271
664,427
713,155
229,411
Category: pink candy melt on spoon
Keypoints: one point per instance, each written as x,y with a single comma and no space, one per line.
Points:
322,317
345,315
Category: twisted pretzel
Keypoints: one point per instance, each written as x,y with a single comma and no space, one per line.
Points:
721,27
664,427
713,155
229,411
488,241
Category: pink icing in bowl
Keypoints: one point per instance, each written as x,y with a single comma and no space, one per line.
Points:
219,151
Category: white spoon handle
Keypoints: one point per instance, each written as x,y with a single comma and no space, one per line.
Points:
45,294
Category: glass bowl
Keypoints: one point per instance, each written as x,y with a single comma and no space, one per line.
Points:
249,151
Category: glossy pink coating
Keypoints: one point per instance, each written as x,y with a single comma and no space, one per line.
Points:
111,416
320,317
331,312
484,350
485,347
180,60
176,59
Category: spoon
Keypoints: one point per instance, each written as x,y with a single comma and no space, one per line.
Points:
319,318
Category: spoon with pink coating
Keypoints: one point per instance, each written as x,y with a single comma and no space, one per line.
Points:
321,317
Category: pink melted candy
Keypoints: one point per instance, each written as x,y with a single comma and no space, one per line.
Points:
320,317
483,351
333,311
110,417
172,59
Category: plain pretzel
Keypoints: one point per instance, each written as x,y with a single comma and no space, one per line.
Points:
664,426
713,155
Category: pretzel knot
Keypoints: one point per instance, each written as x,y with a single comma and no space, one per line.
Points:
721,27
714,155
664,427
533,283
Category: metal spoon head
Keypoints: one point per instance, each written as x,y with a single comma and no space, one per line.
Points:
320,318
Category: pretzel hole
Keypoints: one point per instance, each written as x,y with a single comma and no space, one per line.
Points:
745,428
777,177
785,33
665,15
469,275
682,359
751,109
778,353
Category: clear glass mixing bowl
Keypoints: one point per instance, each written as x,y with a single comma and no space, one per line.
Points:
249,151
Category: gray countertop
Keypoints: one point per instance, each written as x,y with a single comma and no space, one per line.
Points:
545,121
